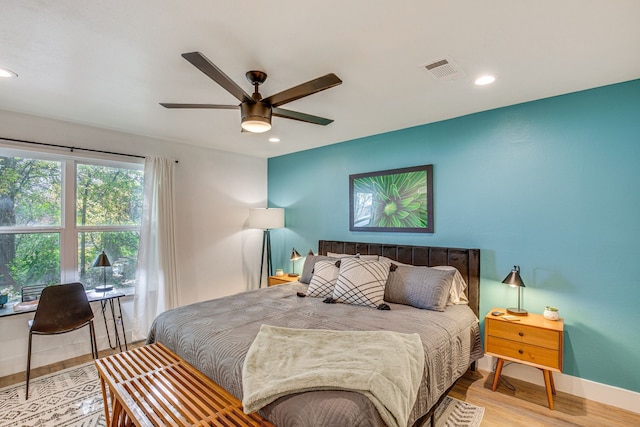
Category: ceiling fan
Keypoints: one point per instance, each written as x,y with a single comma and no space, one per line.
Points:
255,111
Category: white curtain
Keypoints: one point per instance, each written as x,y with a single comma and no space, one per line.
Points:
156,274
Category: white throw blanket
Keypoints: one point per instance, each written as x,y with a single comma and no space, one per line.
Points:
385,366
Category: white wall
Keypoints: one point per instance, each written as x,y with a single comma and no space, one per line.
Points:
217,254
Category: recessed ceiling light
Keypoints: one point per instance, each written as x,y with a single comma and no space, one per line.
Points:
484,80
274,139
7,73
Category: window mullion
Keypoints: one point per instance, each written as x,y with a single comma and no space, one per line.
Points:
107,228
68,237
32,229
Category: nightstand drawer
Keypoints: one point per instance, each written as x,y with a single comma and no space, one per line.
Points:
525,352
523,333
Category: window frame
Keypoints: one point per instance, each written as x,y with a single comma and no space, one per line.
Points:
69,230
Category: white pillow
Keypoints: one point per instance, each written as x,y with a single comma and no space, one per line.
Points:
389,260
325,275
335,255
361,282
456,295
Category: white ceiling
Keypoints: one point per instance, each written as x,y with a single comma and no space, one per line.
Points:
109,63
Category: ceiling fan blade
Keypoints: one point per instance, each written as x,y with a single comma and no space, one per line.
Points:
295,115
305,89
212,106
201,62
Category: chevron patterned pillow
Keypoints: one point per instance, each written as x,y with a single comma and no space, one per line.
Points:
325,275
361,282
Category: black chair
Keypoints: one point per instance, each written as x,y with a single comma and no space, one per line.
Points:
31,292
62,308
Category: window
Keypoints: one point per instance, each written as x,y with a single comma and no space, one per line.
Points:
58,213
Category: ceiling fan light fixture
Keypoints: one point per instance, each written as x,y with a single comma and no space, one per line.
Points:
256,117
256,126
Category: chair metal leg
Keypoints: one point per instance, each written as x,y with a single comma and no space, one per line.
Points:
92,336
28,366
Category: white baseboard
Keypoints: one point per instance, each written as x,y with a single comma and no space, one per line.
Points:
598,392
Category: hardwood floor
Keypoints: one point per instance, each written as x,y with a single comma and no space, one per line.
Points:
48,369
526,406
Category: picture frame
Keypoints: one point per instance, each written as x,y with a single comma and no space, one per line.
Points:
395,200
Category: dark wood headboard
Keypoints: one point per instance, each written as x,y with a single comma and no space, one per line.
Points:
467,261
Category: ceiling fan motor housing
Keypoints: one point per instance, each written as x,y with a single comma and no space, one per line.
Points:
257,114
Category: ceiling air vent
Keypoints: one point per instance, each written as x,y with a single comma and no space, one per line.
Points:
443,69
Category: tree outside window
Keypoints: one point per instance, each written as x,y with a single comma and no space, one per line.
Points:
108,216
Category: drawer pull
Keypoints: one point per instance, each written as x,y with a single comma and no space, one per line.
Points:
521,334
520,351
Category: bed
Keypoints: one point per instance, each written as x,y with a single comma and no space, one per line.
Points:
214,336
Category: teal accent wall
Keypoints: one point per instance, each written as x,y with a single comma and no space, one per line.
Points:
551,185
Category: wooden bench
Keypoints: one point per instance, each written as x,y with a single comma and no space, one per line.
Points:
152,386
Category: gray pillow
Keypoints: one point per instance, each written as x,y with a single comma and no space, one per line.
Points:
420,287
309,263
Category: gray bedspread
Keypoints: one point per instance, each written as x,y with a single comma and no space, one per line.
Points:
214,337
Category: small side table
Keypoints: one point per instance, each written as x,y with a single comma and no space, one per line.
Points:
106,300
281,280
531,340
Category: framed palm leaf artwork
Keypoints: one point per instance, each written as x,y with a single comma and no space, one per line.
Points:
399,200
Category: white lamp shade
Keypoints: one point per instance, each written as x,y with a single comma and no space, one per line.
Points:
266,218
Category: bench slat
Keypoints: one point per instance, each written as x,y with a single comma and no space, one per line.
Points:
152,386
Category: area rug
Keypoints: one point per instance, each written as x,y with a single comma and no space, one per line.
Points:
72,397
456,413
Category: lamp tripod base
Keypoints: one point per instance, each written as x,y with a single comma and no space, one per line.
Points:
517,311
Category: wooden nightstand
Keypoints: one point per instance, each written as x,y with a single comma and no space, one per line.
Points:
281,280
531,340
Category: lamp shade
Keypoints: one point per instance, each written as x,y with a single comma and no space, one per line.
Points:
295,255
266,218
513,278
102,261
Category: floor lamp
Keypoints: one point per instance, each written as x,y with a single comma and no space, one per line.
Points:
266,219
